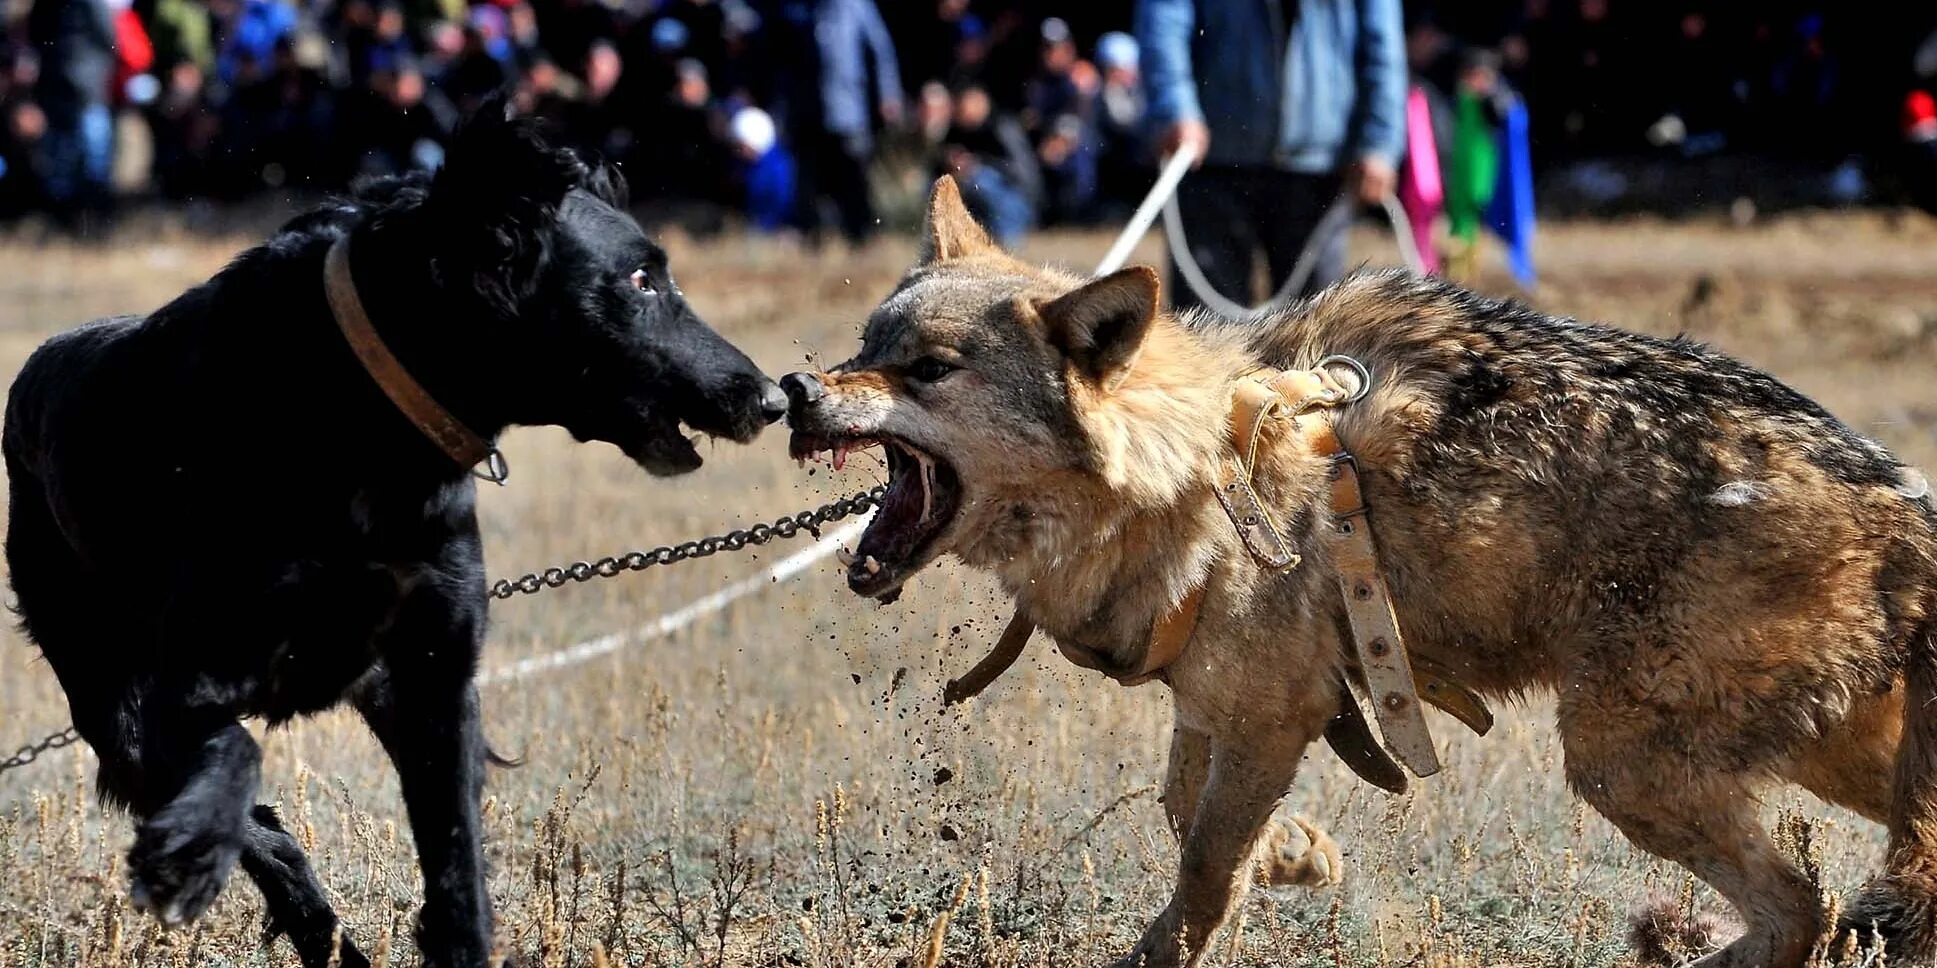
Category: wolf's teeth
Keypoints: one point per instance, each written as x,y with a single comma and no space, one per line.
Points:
871,566
845,557
927,483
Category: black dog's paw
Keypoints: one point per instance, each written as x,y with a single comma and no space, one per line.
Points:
179,862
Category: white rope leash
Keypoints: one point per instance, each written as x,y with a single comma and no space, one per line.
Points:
716,602
1334,221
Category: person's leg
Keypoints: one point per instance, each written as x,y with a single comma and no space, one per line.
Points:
1298,204
97,155
61,156
848,184
809,170
1219,236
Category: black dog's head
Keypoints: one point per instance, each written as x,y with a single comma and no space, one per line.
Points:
564,312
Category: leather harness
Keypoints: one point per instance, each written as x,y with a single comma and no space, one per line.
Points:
1394,682
443,428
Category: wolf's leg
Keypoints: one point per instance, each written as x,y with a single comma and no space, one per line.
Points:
1242,785
1706,820
295,901
1854,765
1190,764
424,709
1292,850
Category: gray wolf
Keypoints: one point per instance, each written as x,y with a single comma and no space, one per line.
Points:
1726,588
215,513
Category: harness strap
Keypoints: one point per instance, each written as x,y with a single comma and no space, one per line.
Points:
1396,683
1368,609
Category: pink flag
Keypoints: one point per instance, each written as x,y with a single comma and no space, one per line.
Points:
1421,193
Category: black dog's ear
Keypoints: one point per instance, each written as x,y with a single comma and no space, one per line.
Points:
493,205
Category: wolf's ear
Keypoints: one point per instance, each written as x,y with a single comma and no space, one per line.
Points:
493,206
1101,326
950,232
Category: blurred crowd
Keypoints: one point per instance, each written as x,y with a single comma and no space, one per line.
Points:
786,111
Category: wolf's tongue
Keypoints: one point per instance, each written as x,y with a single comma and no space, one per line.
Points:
892,535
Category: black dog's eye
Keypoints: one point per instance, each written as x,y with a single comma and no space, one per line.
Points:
928,369
643,282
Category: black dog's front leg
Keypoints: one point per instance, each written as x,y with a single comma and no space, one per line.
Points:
295,901
199,773
424,709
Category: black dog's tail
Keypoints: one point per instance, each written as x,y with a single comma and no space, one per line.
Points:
497,759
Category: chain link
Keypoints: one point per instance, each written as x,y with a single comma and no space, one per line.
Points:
31,752
782,529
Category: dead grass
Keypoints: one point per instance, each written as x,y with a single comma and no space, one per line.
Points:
779,785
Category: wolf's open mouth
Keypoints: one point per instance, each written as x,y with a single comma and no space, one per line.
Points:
923,497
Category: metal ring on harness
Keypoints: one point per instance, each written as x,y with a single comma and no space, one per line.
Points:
1364,374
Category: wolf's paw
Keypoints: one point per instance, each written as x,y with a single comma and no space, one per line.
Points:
181,858
1162,946
1294,852
1663,933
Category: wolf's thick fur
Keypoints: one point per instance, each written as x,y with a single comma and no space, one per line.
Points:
1724,586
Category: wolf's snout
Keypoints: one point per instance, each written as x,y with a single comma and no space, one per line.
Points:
803,390
773,402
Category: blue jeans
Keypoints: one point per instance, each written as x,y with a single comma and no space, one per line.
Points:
999,202
80,156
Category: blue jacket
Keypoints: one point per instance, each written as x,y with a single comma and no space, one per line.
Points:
851,38
1333,93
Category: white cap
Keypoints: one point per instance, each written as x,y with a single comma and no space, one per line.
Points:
1117,49
753,129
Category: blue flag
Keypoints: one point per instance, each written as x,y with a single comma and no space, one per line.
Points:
1510,213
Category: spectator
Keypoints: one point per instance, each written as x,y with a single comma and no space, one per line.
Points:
182,33
477,72
376,38
1121,169
1920,148
833,107
1059,116
766,170
401,121
22,126
1287,111
184,131
75,39
275,129
989,155
255,27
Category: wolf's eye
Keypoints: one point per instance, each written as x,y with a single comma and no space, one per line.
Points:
643,283
928,369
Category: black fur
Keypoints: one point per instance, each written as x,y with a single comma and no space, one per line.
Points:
216,514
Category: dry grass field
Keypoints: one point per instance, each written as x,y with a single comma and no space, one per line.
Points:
779,785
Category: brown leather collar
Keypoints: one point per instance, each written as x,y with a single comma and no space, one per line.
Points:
450,435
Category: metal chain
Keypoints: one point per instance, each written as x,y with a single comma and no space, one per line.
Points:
31,752
809,521
580,571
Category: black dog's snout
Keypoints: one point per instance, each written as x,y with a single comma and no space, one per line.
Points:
803,390
773,402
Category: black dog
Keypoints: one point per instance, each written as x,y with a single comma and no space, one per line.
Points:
217,512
